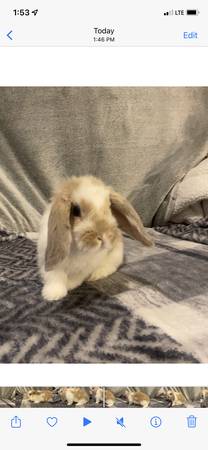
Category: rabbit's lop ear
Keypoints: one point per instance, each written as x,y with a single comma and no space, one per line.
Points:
128,219
59,235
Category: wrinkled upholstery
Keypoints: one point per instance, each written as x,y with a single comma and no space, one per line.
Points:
140,140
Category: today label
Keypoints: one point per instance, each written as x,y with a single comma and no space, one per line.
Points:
104,30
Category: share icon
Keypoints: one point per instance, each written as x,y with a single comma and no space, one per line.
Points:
120,422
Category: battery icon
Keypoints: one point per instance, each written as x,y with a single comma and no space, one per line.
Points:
192,12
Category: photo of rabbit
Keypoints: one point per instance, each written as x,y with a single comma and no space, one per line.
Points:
80,235
103,226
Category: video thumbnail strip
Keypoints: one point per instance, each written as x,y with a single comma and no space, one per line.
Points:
104,397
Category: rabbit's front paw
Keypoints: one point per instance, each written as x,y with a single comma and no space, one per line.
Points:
54,291
103,272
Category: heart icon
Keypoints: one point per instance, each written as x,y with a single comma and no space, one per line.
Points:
52,421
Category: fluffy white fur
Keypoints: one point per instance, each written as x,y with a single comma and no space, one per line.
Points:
88,190
78,266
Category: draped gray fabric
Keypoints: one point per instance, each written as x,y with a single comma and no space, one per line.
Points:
140,140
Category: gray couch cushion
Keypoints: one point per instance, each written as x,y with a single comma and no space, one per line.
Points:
140,140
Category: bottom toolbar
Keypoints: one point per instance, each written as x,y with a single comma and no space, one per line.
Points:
59,428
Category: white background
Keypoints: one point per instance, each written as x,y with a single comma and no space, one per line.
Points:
104,375
159,66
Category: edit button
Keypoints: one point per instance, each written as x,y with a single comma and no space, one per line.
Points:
190,35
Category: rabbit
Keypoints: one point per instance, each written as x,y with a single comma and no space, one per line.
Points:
104,395
98,394
74,395
176,398
110,398
39,396
204,397
138,398
204,393
80,237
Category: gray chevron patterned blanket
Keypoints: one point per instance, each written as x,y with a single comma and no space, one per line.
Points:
196,231
154,309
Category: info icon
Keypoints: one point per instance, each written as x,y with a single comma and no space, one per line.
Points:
156,422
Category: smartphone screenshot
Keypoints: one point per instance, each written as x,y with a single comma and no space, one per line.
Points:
103,224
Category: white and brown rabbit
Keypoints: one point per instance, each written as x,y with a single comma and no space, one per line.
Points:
74,395
138,398
39,396
80,236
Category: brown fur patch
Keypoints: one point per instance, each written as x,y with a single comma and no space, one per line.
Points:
59,237
101,228
128,219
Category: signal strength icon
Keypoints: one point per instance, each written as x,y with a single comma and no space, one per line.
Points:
168,13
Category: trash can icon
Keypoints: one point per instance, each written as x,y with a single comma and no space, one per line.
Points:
191,421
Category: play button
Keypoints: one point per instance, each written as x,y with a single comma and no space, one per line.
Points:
86,421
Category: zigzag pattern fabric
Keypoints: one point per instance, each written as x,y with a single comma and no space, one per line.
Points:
154,309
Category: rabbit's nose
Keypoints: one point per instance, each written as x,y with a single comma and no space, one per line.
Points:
104,241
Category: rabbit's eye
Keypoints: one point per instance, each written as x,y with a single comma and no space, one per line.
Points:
76,211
